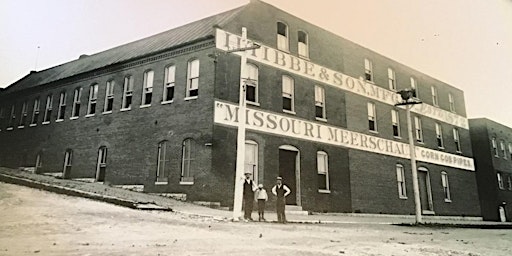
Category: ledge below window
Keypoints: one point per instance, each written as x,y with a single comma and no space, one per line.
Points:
59,120
32,125
89,115
161,183
9,129
73,118
321,119
324,191
447,200
46,122
107,112
289,112
167,102
191,98
186,183
125,109
21,127
145,106
403,197
253,103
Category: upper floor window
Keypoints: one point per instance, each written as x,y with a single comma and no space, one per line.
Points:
368,70
510,149
391,79
76,102
439,135
503,150
446,187
93,97
251,159
12,117
372,117
170,74
147,88
288,94
187,160
418,129
494,147
319,102
456,140
48,109
1,117
109,96
451,100
500,181
23,115
414,85
395,120
435,102
127,93
322,164
400,177
303,45
193,79
35,112
163,162
282,36
509,182
251,84
62,106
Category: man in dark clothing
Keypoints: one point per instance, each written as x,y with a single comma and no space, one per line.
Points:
281,191
249,188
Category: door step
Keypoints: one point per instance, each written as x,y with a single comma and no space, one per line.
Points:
295,210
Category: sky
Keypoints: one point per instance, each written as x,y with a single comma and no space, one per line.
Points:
467,44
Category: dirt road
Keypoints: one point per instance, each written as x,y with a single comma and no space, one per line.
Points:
35,222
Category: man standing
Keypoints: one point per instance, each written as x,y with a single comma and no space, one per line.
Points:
249,188
281,191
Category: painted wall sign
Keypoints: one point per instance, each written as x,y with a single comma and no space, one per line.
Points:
282,125
279,59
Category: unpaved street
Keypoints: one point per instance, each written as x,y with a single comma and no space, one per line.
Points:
35,222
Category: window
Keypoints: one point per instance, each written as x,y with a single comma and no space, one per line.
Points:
93,97
456,139
391,79
434,96
510,149
400,177
414,85
319,102
39,163
251,159
452,102
109,96
322,164
76,103
288,91
127,93
35,113
500,180
503,150
418,130
170,73
303,44
102,164
68,160
147,88
446,187
62,106
1,117
23,115
251,83
368,70
509,181
439,136
12,117
48,109
193,79
282,36
372,117
162,163
186,162
494,147
395,120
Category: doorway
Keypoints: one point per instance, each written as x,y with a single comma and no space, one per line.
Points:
425,191
289,169
101,166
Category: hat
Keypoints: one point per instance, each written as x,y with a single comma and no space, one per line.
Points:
279,178
260,186
248,173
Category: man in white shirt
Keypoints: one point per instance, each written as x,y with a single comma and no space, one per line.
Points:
281,191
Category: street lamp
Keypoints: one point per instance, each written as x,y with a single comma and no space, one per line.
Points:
409,100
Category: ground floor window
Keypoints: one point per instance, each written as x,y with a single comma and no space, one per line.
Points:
446,187
251,159
187,161
162,163
68,160
400,177
323,171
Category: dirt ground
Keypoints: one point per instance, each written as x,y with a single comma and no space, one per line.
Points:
35,222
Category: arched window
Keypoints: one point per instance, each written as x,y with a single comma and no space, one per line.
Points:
163,162
251,159
109,96
147,88
282,36
187,162
127,93
93,97
76,103
303,44
170,74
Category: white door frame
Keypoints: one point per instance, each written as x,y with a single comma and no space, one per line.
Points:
297,171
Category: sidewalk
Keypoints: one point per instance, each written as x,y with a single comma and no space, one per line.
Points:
143,201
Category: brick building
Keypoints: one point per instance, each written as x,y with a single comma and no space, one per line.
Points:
163,112
492,146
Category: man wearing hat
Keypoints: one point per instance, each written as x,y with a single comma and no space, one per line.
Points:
281,191
249,188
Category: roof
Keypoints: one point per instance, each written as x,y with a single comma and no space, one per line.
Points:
175,37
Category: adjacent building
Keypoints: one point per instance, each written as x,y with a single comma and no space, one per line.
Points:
162,112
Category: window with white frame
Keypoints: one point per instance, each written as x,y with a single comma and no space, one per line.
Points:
282,36
62,106
395,120
510,149
288,93
418,129
439,136
509,182
456,140
35,112
48,109
391,79
322,163
435,101
319,102
400,177
503,150
147,88
251,84
109,96
163,162
23,115
12,117
127,93
68,161
451,101
193,78
446,187
414,85
187,160
303,44
251,159
372,117
500,180
76,103
494,147
368,70
93,97
170,74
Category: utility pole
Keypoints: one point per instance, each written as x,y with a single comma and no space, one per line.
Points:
409,100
